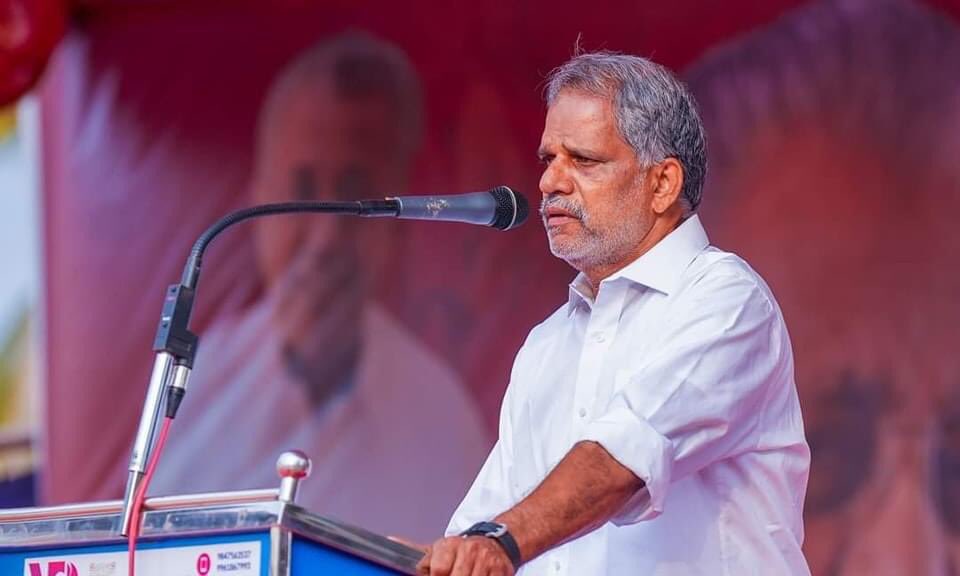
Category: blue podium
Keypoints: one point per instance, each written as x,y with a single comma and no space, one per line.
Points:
248,533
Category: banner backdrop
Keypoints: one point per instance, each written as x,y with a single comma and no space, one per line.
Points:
383,348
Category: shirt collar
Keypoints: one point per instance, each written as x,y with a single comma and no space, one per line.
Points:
659,268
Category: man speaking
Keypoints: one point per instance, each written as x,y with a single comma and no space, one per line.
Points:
651,425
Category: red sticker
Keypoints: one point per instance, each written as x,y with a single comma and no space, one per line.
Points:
203,564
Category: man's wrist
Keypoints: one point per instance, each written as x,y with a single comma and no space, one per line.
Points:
499,533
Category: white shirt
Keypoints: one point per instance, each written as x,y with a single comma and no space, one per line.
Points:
392,454
681,368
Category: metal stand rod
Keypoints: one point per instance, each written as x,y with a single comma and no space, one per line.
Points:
143,443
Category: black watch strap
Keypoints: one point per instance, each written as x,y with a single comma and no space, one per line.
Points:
497,532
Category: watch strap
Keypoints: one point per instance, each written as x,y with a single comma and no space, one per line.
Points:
501,535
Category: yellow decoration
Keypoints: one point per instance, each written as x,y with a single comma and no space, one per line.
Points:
8,121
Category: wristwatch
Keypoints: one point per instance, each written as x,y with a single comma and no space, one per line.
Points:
497,532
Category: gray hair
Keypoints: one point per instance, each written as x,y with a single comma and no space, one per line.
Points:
656,114
357,65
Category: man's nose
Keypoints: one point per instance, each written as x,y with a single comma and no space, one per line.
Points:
899,532
556,179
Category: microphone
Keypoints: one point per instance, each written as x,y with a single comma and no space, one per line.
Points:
499,207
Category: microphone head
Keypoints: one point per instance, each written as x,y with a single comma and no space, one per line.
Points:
512,208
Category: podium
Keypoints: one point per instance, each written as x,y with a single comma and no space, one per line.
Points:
246,533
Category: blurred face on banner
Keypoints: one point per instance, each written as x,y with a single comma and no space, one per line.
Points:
873,310
317,144
840,188
325,134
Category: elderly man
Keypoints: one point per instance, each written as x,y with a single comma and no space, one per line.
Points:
651,425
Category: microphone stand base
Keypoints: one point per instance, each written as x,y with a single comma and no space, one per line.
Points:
133,484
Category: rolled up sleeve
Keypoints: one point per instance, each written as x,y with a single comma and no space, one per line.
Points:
634,443
699,397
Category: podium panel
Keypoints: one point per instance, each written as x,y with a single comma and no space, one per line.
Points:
237,555
223,534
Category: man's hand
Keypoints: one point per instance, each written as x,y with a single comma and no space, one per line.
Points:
472,556
316,308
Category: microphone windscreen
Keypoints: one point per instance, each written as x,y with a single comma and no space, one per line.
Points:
512,208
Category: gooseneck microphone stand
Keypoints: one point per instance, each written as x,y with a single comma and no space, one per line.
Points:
176,346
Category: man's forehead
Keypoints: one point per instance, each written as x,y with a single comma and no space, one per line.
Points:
316,101
578,106
328,123
882,352
578,120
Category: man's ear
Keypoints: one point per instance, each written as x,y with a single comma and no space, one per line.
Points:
667,179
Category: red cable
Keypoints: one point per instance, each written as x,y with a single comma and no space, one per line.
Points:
141,496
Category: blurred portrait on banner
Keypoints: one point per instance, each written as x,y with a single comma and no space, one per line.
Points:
833,147
315,363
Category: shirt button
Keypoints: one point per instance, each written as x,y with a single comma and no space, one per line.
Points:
582,412
556,565
599,337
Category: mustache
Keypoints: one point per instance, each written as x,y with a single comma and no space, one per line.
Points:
565,204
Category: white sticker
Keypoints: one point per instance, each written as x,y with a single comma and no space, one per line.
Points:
233,559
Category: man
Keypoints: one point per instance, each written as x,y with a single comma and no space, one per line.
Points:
836,147
316,363
651,424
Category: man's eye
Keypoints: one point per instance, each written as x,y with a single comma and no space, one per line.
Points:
584,161
947,485
843,443
305,184
545,160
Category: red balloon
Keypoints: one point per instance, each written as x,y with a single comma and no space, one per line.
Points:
29,32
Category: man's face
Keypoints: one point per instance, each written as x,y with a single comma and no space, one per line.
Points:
319,146
595,206
858,257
